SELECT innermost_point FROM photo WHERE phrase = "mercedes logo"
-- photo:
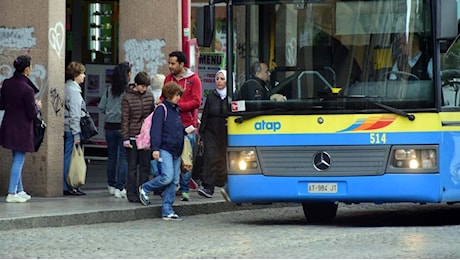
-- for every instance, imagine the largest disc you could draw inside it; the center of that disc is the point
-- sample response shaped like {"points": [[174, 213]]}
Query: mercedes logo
{"points": [[321, 161]]}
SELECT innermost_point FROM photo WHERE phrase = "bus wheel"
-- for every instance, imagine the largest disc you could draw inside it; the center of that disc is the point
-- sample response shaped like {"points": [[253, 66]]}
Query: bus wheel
{"points": [[320, 212]]}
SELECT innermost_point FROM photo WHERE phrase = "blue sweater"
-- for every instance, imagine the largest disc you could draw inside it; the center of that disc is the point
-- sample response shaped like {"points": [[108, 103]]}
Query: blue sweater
{"points": [[167, 134]]}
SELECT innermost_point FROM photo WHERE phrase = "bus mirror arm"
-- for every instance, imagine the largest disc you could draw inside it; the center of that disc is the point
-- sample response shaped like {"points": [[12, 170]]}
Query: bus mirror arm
{"points": [[396, 111]]}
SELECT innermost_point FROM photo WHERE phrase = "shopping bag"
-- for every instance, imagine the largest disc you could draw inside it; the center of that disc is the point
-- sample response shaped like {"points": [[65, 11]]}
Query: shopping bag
{"points": [[187, 156], [39, 130], [77, 168]]}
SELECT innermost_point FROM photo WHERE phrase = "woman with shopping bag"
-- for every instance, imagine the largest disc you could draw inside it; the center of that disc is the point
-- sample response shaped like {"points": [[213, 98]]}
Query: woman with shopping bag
{"points": [[74, 107]]}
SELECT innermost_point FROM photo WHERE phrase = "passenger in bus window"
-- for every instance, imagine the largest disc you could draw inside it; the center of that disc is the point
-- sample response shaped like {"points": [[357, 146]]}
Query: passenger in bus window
{"points": [[412, 63], [257, 87]]}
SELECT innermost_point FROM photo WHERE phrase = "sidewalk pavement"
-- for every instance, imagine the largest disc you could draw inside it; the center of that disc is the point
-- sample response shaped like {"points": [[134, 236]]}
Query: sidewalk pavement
{"points": [[98, 206]]}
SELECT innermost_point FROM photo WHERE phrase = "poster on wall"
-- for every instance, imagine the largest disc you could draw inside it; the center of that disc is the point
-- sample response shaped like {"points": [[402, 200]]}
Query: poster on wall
{"points": [[209, 64]]}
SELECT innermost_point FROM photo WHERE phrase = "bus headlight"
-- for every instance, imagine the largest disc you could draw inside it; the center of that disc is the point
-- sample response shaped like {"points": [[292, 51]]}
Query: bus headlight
{"points": [[423, 157], [242, 160]]}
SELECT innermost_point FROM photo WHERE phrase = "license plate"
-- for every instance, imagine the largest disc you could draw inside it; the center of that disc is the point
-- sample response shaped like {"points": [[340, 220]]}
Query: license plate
{"points": [[323, 188]]}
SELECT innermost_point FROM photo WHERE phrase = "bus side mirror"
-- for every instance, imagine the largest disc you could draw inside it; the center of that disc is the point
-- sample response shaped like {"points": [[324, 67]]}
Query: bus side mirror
{"points": [[205, 26], [446, 19]]}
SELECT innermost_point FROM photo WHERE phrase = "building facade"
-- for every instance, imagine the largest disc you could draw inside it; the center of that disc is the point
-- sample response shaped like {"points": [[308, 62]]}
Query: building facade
{"points": [[54, 32]]}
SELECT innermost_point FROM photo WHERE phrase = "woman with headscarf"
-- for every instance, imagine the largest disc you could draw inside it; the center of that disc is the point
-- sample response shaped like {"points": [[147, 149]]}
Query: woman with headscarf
{"points": [[213, 134]]}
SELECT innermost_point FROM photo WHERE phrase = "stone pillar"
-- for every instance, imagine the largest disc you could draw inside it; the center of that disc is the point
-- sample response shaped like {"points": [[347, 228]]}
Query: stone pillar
{"points": [[37, 28], [149, 31]]}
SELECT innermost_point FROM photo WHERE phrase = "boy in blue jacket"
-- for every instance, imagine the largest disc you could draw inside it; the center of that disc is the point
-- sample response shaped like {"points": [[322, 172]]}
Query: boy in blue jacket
{"points": [[166, 144]]}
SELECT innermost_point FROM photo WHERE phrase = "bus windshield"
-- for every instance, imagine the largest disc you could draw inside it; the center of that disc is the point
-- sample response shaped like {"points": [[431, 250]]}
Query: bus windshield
{"points": [[304, 57]]}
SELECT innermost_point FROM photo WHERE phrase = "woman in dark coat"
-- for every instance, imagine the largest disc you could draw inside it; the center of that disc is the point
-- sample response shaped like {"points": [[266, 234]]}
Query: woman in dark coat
{"points": [[17, 98], [213, 133]]}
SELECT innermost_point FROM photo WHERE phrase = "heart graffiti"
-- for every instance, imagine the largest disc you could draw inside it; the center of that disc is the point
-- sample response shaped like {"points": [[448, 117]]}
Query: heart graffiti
{"points": [[56, 37]]}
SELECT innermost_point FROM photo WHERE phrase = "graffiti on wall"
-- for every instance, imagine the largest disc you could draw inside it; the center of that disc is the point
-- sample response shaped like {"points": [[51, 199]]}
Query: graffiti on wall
{"points": [[56, 101], [17, 38], [19, 41], [15, 42], [145, 55], [56, 38]]}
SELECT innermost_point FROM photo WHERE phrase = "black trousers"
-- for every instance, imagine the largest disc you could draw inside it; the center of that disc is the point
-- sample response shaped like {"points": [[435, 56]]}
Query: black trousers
{"points": [[138, 170]]}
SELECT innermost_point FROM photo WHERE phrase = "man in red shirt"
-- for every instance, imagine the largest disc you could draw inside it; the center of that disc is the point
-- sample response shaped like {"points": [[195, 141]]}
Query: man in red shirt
{"points": [[188, 104]]}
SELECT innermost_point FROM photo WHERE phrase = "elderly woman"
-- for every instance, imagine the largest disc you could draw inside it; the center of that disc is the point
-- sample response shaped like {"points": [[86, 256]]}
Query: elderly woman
{"points": [[74, 110], [213, 133]]}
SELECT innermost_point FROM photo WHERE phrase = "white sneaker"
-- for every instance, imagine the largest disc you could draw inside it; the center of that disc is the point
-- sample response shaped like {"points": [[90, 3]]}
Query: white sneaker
{"points": [[24, 195], [111, 190], [120, 194], [15, 198]]}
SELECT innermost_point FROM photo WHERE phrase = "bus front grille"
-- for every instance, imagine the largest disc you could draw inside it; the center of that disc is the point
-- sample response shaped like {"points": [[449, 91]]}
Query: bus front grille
{"points": [[323, 160]]}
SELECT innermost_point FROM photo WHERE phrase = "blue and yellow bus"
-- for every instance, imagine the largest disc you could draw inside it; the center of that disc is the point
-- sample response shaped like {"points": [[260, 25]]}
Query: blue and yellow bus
{"points": [[372, 110]]}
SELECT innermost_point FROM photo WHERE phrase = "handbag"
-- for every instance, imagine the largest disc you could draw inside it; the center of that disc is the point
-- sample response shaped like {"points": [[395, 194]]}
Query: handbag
{"points": [[77, 168], [198, 160], [39, 130], [87, 127]]}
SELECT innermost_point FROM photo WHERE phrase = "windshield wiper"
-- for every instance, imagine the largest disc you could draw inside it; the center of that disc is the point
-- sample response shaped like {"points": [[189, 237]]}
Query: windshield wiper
{"points": [[411, 117], [397, 111], [250, 115]]}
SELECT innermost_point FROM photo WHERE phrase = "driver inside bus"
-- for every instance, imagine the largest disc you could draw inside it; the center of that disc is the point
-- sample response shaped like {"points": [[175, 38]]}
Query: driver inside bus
{"points": [[412, 61], [258, 86]]}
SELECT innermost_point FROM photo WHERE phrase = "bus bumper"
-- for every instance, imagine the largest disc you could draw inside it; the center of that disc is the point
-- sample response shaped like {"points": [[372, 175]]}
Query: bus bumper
{"points": [[418, 188]]}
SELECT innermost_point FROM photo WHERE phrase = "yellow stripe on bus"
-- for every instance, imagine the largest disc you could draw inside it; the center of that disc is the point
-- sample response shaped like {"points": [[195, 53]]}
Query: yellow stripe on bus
{"points": [[297, 124]]}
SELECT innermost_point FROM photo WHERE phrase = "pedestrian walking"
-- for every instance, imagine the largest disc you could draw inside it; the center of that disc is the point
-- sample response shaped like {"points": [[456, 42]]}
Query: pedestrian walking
{"points": [[166, 144], [213, 134]]}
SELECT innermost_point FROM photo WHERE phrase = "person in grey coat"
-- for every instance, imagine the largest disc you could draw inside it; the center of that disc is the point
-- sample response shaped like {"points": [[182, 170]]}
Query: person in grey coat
{"points": [[74, 110], [110, 106], [17, 98]]}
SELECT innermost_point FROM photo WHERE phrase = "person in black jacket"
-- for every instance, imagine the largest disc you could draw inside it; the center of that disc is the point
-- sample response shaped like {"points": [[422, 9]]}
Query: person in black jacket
{"points": [[213, 133], [257, 87]]}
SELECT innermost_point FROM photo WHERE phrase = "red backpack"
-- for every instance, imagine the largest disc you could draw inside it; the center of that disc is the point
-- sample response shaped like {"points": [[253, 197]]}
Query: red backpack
{"points": [[143, 138]]}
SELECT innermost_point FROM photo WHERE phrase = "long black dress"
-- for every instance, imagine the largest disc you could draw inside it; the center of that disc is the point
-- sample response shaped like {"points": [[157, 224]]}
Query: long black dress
{"points": [[213, 132]]}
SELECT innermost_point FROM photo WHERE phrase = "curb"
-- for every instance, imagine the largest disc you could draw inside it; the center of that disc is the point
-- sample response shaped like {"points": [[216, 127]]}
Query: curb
{"points": [[124, 215]]}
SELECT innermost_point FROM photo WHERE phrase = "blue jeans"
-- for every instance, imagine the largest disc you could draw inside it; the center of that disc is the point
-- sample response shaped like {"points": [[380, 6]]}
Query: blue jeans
{"points": [[169, 177], [15, 172], [68, 147], [185, 177], [117, 164], [154, 168]]}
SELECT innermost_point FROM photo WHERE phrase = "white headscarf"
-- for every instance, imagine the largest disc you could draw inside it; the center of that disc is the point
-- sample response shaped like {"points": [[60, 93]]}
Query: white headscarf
{"points": [[222, 92]]}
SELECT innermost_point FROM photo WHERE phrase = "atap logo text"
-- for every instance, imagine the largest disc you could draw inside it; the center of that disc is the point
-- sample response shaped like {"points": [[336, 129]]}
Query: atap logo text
{"points": [[262, 125]]}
